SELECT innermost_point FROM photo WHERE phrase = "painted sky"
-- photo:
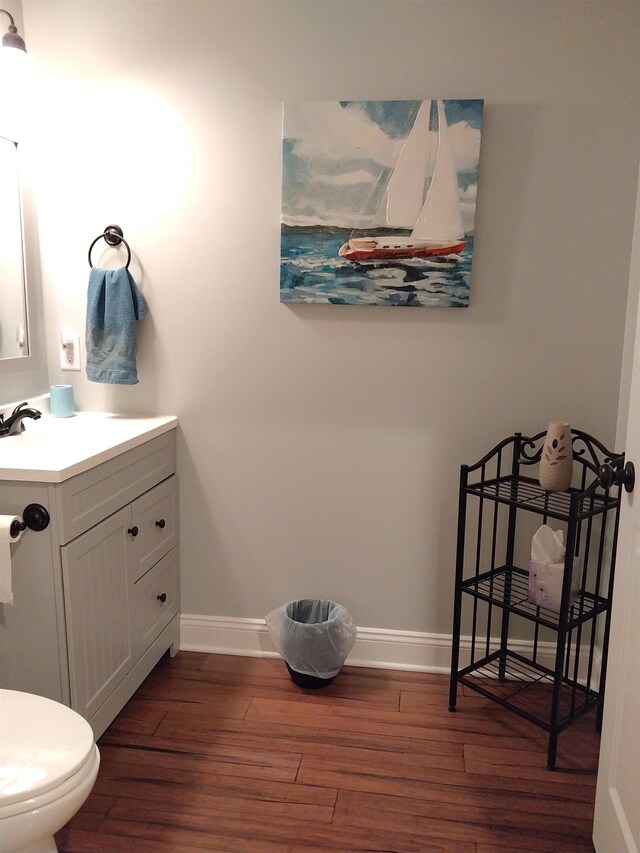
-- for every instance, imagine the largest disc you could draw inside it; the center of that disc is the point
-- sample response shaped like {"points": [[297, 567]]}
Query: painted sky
{"points": [[338, 155]]}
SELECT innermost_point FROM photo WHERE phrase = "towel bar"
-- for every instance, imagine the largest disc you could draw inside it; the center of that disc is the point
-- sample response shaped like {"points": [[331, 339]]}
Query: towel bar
{"points": [[112, 235]]}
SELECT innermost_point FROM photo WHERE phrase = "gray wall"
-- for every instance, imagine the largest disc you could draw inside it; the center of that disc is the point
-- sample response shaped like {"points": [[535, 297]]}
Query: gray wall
{"points": [[320, 445]]}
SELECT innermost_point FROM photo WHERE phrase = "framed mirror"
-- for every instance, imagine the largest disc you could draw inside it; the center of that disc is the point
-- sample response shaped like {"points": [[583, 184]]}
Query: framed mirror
{"points": [[14, 333]]}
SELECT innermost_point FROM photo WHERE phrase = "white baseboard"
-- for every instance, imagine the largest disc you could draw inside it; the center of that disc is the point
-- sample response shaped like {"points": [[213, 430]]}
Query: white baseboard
{"points": [[380, 648], [225, 635]]}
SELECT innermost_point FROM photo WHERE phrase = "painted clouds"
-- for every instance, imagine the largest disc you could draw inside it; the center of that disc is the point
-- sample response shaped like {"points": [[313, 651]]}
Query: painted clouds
{"points": [[337, 157]]}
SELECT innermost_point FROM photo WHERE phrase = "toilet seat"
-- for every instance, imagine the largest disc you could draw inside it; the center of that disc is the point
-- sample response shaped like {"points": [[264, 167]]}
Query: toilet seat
{"points": [[43, 744]]}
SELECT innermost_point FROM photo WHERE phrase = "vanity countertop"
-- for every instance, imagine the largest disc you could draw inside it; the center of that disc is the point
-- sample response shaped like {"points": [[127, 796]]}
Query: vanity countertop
{"points": [[51, 450]]}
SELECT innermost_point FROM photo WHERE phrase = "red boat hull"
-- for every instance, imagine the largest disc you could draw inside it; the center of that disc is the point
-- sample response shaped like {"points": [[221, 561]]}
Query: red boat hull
{"points": [[403, 253]]}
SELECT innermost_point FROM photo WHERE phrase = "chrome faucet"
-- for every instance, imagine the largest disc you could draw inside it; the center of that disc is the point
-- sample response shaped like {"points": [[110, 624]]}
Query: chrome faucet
{"points": [[14, 423]]}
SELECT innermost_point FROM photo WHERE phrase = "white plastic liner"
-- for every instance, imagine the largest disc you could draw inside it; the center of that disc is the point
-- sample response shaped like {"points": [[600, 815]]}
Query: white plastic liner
{"points": [[313, 636]]}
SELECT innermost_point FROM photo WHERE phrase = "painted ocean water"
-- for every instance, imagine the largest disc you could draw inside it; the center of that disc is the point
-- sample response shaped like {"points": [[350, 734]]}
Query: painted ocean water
{"points": [[311, 271]]}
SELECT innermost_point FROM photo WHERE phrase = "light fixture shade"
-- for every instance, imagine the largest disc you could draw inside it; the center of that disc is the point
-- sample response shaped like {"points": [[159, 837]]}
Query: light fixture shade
{"points": [[13, 39]]}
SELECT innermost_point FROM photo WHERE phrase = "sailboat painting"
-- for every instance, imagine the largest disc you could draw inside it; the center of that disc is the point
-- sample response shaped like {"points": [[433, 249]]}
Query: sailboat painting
{"points": [[378, 202]]}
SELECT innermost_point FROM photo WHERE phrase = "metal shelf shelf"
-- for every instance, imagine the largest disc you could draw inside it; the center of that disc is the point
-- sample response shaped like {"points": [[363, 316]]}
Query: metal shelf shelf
{"points": [[525, 493], [508, 587], [527, 689], [538, 662]]}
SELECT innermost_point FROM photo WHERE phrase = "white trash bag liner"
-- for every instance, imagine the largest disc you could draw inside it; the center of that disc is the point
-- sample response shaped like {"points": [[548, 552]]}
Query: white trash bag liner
{"points": [[313, 636]]}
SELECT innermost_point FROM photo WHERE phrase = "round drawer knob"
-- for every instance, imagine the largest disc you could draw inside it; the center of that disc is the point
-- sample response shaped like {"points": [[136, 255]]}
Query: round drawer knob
{"points": [[162, 597], [161, 523], [133, 531]]}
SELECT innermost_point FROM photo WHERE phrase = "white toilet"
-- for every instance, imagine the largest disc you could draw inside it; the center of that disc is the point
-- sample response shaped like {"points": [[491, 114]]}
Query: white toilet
{"points": [[48, 766]]}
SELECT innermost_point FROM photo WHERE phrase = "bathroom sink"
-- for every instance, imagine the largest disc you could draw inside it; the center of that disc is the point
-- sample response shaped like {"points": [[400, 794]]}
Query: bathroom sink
{"points": [[53, 449]]}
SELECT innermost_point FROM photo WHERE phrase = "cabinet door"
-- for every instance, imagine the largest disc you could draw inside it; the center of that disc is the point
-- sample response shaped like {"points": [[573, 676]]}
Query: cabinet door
{"points": [[95, 576], [155, 515], [154, 602], [33, 647]]}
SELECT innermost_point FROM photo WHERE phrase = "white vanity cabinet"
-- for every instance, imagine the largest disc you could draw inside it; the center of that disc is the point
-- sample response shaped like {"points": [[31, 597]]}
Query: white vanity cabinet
{"points": [[120, 582], [108, 567]]}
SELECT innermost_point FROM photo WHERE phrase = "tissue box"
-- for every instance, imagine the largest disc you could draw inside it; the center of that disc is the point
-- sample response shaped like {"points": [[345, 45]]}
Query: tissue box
{"points": [[545, 583]]}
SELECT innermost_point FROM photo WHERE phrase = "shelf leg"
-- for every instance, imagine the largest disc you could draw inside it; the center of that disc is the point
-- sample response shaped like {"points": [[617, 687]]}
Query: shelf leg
{"points": [[504, 633], [455, 653], [552, 751], [457, 605]]}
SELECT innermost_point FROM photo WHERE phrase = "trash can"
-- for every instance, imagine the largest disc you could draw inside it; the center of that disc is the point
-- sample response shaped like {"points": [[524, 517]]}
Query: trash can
{"points": [[314, 637]]}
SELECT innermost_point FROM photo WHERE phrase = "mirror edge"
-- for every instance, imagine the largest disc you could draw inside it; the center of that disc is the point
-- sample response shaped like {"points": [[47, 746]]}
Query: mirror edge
{"points": [[26, 375]]}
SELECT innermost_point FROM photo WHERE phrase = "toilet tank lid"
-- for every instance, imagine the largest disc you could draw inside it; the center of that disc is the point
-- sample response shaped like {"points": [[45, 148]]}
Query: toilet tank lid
{"points": [[42, 743]]}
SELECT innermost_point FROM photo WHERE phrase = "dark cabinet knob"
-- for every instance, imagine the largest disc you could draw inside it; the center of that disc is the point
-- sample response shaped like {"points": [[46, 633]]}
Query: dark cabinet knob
{"points": [[162, 597], [133, 531], [161, 523]]}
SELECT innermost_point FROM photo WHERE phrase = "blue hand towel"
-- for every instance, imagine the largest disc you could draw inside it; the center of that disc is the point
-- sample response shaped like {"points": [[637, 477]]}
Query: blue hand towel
{"points": [[114, 305]]}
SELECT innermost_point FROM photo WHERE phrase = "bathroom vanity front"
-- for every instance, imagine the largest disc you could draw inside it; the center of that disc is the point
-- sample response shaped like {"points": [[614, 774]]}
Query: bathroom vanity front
{"points": [[96, 594]]}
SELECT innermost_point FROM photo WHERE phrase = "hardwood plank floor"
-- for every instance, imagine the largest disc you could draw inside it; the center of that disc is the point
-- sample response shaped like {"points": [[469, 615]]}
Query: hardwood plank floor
{"points": [[222, 753]]}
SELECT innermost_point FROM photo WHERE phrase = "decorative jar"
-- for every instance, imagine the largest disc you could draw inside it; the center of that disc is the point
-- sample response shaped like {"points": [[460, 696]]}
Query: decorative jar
{"points": [[556, 461]]}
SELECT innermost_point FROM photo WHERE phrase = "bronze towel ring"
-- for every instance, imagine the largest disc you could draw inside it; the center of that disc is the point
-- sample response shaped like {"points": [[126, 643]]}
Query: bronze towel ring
{"points": [[112, 235]]}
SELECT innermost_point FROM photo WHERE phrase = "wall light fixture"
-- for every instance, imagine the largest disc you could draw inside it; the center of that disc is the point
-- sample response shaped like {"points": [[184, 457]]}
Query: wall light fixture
{"points": [[15, 83], [12, 38]]}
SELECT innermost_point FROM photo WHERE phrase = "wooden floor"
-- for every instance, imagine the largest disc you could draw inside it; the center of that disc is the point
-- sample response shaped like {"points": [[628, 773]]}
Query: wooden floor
{"points": [[227, 754]]}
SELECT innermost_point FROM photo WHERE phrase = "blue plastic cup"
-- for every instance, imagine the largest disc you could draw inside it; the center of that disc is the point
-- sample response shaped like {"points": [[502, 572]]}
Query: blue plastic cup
{"points": [[61, 401]]}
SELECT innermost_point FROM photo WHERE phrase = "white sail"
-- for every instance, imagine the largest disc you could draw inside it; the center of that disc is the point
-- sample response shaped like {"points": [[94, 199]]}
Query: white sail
{"points": [[440, 217], [405, 190], [434, 218]]}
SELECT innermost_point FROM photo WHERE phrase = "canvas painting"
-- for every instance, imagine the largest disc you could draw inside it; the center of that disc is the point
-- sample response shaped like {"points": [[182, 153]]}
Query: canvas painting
{"points": [[379, 201]]}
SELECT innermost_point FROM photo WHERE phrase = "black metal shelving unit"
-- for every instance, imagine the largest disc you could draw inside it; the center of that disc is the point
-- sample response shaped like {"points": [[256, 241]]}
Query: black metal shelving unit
{"points": [[545, 665]]}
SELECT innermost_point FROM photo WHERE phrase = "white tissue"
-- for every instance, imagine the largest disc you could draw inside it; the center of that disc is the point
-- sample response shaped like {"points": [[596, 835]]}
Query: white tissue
{"points": [[546, 569], [6, 541], [547, 545]]}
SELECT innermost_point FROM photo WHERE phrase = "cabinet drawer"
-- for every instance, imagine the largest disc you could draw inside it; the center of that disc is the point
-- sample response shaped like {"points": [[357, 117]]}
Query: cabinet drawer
{"points": [[86, 499], [155, 601], [155, 515]]}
